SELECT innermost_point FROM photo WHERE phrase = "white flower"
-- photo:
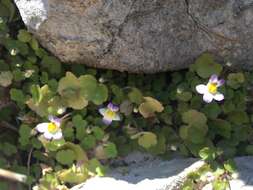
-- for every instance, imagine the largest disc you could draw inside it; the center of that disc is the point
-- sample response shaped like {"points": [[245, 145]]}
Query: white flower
{"points": [[51, 130], [210, 91], [110, 113]]}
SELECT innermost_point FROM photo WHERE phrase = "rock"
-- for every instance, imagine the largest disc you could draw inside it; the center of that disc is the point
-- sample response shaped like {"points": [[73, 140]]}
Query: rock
{"points": [[151, 173], [142, 35], [244, 180], [143, 172]]}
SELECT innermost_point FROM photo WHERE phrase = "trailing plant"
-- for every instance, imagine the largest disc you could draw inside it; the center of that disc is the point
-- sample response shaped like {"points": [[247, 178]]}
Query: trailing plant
{"points": [[62, 123]]}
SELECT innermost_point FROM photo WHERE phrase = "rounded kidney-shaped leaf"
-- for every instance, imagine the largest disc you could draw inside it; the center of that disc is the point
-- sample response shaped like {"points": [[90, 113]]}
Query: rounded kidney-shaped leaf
{"points": [[147, 139], [65, 157], [205, 66], [149, 107], [193, 117]]}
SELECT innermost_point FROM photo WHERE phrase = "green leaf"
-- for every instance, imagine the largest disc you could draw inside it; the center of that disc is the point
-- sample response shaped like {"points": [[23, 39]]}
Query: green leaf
{"points": [[221, 127], [10, 7], [34, 44], [6, 78], [80, 154], [92, 91], [78, 121], [89, 86], [135, 96], [9, 149], [196, 134], [80, 126], [24, 134], [101, 94], [68, 133], [147, 139], [184, 96], [15, 47], [160, 147], [205, 66], [40, 101], [207, 154], [98, 133], [149, 107], [18, 75], [235, 80], [230, 166], [73, 175], [193, 117], [88, 142], [118, 93], [52, 64], [17, 95], [70, 89], [36, 93], [220, 185], [95, 167], [212, 110], [24, 36], [238, 117], [110, 150], [228, 106], [53, 145], [4, 66], [183, 132], [36, 143], [65, 157]]}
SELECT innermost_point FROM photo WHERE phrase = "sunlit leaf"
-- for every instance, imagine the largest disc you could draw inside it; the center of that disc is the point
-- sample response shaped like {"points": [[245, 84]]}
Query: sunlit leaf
{"points": [[147, 139], [149, 107]]}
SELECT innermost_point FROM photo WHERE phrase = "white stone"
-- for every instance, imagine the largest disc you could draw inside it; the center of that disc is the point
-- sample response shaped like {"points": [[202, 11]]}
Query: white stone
{"points": [[33, 13], [146, 172]]}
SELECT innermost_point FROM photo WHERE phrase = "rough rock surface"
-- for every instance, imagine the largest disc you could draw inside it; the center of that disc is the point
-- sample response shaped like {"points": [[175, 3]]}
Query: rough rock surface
{"points": [[142, 35], [145, 172]]}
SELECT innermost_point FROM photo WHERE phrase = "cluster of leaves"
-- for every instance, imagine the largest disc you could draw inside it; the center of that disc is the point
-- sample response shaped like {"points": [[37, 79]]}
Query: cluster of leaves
{"points": [[211, 176], [160, 114]]}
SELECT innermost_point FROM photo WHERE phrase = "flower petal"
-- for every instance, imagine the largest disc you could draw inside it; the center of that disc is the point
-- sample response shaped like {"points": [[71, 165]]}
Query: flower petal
{"points": [[102, 111], [113, 107], [57, 135], [55, 120], [51, 118], [221, 82], [107, 121], [208, 97], [116, 117], [42, 127], [48, 135], [201, 89], [213, 78], [219, 97]]}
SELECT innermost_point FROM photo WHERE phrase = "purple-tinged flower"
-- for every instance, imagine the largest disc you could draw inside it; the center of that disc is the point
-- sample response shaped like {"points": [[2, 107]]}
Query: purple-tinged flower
{"points": [[210, 91], [110, 113], [51, 130]]}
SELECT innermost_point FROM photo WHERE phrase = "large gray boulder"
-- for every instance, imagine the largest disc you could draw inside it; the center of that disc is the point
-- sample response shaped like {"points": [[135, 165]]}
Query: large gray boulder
{"points": [[142, 35]]}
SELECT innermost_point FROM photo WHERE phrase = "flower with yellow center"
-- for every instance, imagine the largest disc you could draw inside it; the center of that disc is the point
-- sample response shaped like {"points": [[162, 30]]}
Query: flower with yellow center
{"points": [[110, 113], [51, 130], [210, 91], [212, 88]]}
